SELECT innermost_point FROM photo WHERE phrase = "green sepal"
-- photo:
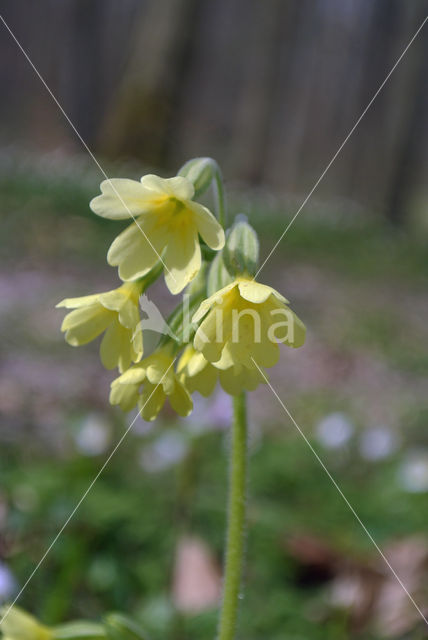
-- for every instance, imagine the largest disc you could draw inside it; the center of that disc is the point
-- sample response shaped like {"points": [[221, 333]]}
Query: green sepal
{"points": [[180, 320], [200, 171], [241, 252], [218, 275]]}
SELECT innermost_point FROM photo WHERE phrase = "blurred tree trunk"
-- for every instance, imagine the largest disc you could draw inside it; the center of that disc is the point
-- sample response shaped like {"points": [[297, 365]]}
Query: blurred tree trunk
{"points": [[270, 89], [259, 77], [411, 143], [137, 121]]}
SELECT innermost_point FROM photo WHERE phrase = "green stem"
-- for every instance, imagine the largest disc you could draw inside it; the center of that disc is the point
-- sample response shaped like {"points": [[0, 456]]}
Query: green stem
{"points": [[220, 198], [236, 521]]}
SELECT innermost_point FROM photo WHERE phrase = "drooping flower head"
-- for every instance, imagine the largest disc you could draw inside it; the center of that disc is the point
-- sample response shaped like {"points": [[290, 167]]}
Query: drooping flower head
{"points": [[149, 383], [116, 313], [166, 226], [243, 323], [198, 374]]}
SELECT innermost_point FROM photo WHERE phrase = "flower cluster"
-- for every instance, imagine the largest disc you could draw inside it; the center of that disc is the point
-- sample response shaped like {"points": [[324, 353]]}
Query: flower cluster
{"points": [[230, 329]]}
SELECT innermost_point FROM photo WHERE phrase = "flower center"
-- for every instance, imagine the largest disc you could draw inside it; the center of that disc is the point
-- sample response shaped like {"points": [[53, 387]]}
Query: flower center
{"points": [[176, 205]]}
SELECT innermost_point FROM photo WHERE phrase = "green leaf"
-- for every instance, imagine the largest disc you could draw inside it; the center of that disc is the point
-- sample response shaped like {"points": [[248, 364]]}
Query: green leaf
{"points": [[120, 627], [79, 630]]}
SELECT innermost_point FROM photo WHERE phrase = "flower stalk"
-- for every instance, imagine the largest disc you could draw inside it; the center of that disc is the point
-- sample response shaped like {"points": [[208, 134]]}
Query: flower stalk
{"points": [[235, 541], [220, 198]]}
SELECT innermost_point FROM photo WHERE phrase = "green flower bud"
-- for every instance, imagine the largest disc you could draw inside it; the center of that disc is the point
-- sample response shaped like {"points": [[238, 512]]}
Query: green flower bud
{"points": [[201, 172], [120, 627], [218, 275], [241, 253]]}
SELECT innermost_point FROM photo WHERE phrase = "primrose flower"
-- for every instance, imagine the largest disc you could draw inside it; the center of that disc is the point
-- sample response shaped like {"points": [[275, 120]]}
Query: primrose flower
{"points": [[197, 374], [18, 625], [149, 383], [116, 313], [167, 223], [243, 323]]}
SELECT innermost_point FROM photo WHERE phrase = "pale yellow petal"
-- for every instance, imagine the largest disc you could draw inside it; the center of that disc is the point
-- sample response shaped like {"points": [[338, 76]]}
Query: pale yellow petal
{"points": [[185, 358], [129, 316], [196, 364], [265, 353], [177, 187], [136, 250], [180, 400], [137, 344], [204, 381], [208, 226], [240, 353], [208, 340], [227, 358], [298, 333], [161, 372], [116, 347], [121, 198], [182, 259], [19, 625], [203, 308], [252, 379], [125, 395], [216, 298], [112, 300], [76, 303], [231, 382], [284, 324], [237, 379], [151, 401], [257, 293], [85, 324], [134, 375]]}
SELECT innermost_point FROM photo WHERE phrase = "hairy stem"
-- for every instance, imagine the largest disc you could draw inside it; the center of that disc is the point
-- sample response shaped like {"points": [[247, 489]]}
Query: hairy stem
{"points": [[236, 521], [220, 198]]}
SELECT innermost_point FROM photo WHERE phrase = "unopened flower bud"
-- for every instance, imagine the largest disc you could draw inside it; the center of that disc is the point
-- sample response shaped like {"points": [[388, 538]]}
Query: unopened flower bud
{"points": [[241, 253], [200, 171], [218, 275]]}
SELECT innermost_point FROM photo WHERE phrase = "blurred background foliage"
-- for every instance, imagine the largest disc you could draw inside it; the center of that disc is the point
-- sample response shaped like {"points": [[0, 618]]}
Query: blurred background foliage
{"points": [[270, 90]]}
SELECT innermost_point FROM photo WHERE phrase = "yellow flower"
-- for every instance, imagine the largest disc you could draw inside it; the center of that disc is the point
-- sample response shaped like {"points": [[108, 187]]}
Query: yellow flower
{"points": [[150, 383], [19, 625], [116, 313], [197, 374], [167, 223], [243, 323]]}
